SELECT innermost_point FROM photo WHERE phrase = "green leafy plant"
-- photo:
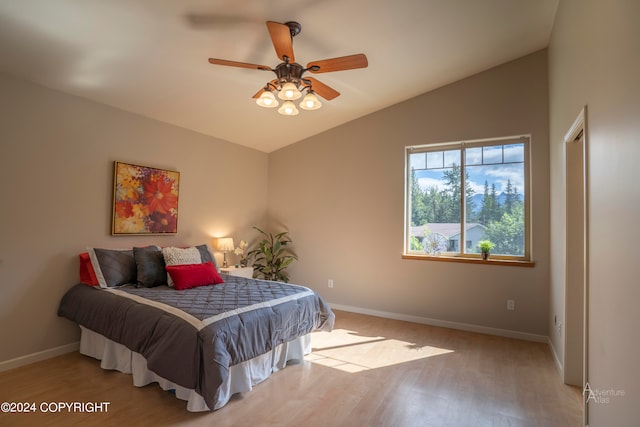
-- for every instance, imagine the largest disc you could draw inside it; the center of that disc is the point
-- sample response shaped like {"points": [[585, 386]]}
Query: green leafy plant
{"points": [[485, 246], [272, 257]]}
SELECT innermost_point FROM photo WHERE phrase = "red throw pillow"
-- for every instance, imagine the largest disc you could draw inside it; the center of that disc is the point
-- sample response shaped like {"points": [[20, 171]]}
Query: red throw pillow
{"points": [[186, 276], [87, 273]]}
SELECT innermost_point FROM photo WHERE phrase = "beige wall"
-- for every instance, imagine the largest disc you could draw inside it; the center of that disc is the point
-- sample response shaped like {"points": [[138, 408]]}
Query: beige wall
{"points": [[341, 195], [594, 60], [56, 165]]}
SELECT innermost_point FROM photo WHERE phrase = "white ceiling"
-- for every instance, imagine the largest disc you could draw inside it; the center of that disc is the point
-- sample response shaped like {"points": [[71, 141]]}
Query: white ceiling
{"points": [[150, 56]]}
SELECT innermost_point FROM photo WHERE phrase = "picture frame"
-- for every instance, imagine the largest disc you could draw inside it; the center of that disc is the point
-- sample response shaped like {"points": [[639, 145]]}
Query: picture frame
{"points": [[145, 200]]}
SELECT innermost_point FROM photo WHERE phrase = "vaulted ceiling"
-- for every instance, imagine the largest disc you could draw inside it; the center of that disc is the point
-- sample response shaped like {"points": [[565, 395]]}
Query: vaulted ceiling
{"points": [[150, 57]]}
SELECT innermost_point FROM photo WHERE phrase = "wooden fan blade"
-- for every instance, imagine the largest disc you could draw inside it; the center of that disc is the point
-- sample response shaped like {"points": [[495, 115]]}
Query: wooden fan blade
{"points": [[282, 41], [257, 95], [238, 64], [338, 64], [322, 89]]}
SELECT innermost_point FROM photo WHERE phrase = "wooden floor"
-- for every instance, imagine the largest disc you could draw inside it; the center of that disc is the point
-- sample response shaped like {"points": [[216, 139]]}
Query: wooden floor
{"points": [[367, 372]]}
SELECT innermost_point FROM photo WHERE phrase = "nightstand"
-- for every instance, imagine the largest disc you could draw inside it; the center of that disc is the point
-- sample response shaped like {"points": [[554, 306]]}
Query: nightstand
{"points": [[240, 271]]}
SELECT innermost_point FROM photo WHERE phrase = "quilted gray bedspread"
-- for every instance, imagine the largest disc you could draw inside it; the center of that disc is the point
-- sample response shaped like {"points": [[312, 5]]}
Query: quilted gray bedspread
{"points": [[192, 337]]}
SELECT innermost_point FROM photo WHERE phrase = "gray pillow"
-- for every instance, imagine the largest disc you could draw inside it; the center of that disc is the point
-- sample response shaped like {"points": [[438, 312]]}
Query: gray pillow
{"points": [[206, 255], [151, 266], [113, 267]]}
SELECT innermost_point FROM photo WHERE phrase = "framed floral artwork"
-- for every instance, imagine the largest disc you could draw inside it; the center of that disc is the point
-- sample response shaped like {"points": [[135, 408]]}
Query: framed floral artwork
{"points": [[145, 200]]}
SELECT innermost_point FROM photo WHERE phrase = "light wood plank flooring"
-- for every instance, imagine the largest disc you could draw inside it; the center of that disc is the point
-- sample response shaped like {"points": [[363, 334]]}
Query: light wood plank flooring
{"points": [[368, 372]]}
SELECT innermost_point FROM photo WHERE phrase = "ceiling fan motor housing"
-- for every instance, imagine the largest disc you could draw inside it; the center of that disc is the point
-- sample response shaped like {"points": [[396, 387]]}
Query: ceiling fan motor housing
{"points": [[289, 72]]}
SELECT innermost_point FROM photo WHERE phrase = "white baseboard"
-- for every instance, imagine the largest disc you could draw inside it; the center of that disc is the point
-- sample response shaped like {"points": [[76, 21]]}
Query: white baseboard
{"points": [[444, 323], [36, 357], [556, 359]]}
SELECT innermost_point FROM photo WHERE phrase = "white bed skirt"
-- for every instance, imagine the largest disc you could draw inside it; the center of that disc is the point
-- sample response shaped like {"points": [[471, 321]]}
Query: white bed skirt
{"points": [[242, 377]]}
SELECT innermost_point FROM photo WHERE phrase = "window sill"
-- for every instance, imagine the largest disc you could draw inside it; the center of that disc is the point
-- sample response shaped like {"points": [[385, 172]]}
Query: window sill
{"points": [[490, 261]]}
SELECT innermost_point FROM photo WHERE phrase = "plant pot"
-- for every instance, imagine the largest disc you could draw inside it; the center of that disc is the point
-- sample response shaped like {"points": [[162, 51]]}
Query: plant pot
{"points": [[485, 255]]}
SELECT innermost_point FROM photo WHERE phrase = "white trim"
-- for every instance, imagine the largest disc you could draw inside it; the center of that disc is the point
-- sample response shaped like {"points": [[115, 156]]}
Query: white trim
{"points": [[40, 355], [463, 142], [196, 323], [444, 323], [200, 324], [264, 304], [556, 359], [96, 267], [576, 127]]}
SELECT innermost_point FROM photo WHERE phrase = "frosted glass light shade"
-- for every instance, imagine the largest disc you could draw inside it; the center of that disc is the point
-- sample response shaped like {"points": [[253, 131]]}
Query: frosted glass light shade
{"points": [[289, 92], [310, 102], [267, 100], [288, 109]]}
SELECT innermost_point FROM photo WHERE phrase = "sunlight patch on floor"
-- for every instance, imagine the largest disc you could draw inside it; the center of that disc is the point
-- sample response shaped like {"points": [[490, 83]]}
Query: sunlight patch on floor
{"points": [[351, 352]]}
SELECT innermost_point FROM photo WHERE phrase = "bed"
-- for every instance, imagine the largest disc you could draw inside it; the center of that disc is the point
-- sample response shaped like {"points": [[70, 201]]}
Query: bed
{"points": [[205, 342]]}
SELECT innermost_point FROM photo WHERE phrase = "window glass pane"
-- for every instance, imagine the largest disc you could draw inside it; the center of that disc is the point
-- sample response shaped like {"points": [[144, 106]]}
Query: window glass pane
{"points": [[492, 154], [514, 153], [495, 207], [473, 156], [434, 159], [435, 206], [418, 161], [452, 158]]}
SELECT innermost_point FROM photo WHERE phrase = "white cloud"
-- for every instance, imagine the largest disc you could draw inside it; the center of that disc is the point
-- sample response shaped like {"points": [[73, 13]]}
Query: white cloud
{"points": [[427, 183], [505, 173]]}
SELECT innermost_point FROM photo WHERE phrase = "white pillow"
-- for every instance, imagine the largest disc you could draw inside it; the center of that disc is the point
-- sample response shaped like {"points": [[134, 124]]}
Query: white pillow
{"points": [[180, 256]]}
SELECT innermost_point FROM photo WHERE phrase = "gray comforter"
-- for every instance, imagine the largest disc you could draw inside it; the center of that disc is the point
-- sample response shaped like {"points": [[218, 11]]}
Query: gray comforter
{"points": [[192, 337]]}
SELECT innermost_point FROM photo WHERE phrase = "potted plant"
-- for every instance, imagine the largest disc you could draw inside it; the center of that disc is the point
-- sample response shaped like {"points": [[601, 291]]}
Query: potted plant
{"points": [[272, 257], [240, 250], [485, 247]]}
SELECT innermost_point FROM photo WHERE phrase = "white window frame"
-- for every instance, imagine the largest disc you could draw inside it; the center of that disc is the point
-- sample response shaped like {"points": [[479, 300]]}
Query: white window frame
{"points": [[462, 145]]}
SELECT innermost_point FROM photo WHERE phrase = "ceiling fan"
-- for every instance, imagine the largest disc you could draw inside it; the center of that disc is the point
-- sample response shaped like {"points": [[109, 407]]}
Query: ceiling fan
{"points": [[289, 81]]}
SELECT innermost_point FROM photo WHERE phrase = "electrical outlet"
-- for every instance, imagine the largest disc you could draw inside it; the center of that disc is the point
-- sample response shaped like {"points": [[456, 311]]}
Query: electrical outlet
{"points": [[511, 304], [559, 328], [330, 283]]}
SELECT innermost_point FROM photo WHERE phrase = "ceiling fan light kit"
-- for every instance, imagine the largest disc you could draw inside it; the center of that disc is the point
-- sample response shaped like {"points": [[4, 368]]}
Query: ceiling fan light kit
{"points": [[289, 82]]}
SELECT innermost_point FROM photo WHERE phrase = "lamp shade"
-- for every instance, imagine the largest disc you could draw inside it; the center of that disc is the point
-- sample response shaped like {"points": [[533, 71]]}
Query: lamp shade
{"points": [[267, 100], [288, 109], [289, 92], [310, 102], [225, 244]]}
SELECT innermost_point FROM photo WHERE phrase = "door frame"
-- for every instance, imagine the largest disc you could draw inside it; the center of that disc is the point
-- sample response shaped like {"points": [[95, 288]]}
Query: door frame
{"points": [[577, 131]]}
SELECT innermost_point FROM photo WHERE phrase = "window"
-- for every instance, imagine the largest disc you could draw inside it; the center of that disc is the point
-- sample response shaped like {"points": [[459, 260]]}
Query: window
{"points": [[458, 194]]}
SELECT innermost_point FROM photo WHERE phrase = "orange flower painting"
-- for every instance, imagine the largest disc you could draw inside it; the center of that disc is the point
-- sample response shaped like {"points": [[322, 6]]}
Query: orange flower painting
{"points": [[145, 200]]}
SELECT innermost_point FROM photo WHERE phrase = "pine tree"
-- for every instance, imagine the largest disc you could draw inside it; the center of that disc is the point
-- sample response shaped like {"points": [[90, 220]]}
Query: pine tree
{"points": [[451, 178], [485, 209], [434, 206], [418, 208], [510, 198], [495, 212]]}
